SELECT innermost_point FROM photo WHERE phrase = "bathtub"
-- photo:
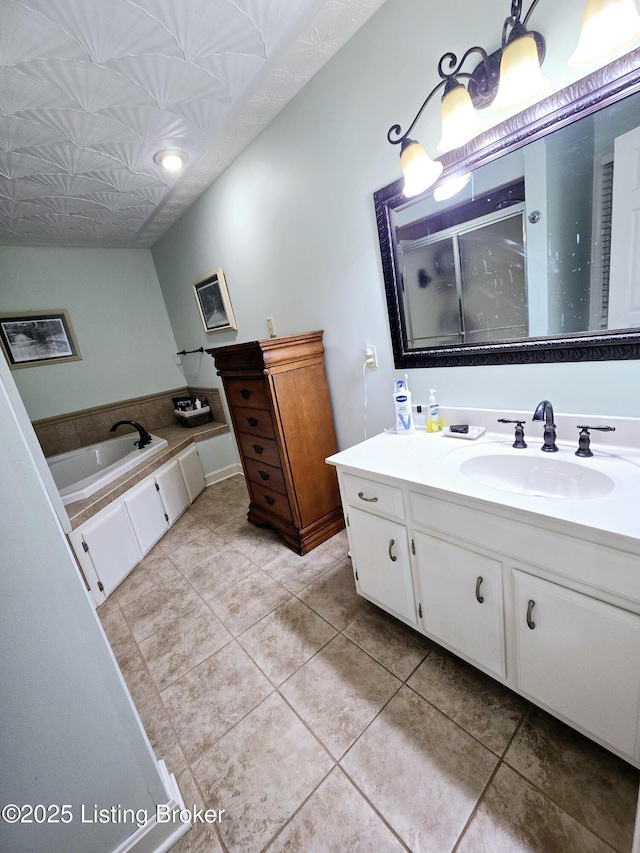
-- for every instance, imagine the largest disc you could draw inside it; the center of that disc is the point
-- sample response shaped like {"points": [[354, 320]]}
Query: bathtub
{"points": [[79, 473]]}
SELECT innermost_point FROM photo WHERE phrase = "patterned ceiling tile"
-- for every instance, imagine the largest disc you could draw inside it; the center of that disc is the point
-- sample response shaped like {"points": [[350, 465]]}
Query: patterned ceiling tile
{"points": [[90, 90]]}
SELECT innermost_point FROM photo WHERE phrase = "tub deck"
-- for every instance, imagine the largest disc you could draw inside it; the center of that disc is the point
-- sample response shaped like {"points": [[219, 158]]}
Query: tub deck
{"points": [[177, 439]]}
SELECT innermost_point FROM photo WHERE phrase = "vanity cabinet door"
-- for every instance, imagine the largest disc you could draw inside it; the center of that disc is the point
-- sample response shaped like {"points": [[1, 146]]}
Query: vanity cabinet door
{"points": [[461, 599], [147, 515], [380, 557], [579, 658], [189, 462], [172, 490]]}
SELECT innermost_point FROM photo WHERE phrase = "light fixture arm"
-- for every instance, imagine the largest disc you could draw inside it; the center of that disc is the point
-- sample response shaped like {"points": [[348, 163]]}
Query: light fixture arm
{"points": [[449, 79], [515, 25]]}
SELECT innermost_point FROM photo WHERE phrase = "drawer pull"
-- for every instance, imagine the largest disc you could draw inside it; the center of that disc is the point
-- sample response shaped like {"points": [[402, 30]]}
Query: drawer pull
{"points": [[392, 542], [258, 448], [252, 422], [269, 500], [479, 597], [264, 475], [245, 393], [530, 621], [368, 500]]}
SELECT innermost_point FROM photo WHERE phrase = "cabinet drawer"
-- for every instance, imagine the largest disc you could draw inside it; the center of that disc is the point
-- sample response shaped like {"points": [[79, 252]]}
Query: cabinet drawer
{"points": [[261, 449], [247, 392], [271, 501], [255, 422], [265, 475], [373, 496]]}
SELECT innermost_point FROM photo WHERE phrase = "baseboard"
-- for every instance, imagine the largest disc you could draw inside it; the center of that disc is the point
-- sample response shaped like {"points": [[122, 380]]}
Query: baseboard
{"points": [[156, 837], [223, 473]]}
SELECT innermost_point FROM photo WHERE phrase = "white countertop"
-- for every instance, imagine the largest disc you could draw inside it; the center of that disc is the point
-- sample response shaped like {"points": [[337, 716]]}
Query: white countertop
{"points": [[433, 460]]}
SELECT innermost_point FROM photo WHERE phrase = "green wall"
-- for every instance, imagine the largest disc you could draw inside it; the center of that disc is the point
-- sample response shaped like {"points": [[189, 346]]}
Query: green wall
{"points": [[292, 222], [119, 318]]}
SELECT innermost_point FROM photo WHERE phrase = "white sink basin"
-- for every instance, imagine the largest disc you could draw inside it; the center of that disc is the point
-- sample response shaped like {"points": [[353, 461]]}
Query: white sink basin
{"points": [[542, 475]]}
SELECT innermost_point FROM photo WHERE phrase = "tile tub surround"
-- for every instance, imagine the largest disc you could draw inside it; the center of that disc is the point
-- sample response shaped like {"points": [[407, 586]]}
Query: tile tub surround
{"points": [[320, 723], [89, 426]]}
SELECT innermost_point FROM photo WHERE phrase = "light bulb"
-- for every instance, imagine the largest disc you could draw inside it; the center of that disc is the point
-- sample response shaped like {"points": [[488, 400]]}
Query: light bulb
{"points": [[171, 159], [608, 26], [420, 171]]}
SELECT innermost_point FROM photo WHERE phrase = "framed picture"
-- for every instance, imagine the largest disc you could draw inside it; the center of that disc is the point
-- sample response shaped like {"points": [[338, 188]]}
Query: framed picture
{"points": [[38, 337], [213, 301]]}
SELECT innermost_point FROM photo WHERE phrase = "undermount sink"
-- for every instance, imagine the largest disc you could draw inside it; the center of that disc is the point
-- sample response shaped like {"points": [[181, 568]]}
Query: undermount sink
{"points": [[537, 475]]}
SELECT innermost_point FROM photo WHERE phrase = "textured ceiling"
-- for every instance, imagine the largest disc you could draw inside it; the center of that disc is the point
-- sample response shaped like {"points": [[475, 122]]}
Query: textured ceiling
{"points": [[90, 90]]}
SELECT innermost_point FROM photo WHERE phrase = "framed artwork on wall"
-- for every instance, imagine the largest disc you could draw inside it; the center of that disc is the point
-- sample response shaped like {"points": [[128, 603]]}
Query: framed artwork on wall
{"points": [[213, 301], [38, 337]]}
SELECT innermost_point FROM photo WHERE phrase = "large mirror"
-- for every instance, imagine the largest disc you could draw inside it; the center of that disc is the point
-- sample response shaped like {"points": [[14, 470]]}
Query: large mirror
{"points": [[537, 257]]}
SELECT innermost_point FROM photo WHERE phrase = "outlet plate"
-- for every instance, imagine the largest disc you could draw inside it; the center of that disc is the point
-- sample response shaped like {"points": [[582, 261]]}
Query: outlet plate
{"points": [[270, 328], [371, 356]]}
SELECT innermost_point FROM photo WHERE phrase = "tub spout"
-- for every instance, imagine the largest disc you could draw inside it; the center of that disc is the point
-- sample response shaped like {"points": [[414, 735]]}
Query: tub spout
{"points": [[145, 438]]}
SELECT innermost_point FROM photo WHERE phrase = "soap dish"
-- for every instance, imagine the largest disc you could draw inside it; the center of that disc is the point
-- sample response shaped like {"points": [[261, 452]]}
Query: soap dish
{"points": [[474, 432]]}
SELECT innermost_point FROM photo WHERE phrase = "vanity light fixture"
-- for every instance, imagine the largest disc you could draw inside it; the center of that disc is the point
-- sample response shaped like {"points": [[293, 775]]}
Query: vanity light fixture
{"points": [[510, 78], [171, 159]]}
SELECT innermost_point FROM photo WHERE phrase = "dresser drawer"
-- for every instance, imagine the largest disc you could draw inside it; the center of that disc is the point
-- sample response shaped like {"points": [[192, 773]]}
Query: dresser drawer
{"points": [[265, 475], [261, 449], [255, 422], [374, 497], [247, 392], [271, 501]]}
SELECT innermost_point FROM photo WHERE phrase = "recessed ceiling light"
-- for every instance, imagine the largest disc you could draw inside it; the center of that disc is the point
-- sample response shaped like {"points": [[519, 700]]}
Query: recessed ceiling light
{"points": [[171, 159]]}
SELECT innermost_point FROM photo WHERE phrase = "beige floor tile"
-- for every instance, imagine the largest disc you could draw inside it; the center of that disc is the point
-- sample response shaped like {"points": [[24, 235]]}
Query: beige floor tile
{"points": [[339, 692], [206, 702], [183, 644], [420, 771], [295, 572], [514, 817], [594, 786], [222, 571], [286, 638], [243, 605], [334, 596], [335, 819], [233, 488], [158, 608], [186, 527], [135, 673], [477, 703], [162, 736], [260, 544], [337, 546], [154, 571], [186, 556], [218, 512], [395, 645], [261, 772], [115, 626], [201, 838]]}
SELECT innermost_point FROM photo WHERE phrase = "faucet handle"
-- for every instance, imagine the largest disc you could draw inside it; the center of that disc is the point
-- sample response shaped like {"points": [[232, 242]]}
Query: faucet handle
{"points": [[584, 449], [519, 436]]}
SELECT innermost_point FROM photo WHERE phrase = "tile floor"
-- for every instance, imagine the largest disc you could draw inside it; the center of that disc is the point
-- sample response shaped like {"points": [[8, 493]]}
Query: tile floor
{"points": [[319, 723]]}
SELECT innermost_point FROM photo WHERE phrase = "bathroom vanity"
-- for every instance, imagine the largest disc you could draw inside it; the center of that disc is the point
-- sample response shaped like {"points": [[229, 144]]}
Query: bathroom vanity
{"points": [[528, 568]]}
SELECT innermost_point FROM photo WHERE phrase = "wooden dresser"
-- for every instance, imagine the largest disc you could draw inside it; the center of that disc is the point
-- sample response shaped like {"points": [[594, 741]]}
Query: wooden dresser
{"points": [[279, 402]]}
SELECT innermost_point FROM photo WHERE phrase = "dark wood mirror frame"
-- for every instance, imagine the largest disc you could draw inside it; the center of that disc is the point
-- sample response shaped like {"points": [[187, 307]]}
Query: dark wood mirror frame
{"points": [[587, 95]]}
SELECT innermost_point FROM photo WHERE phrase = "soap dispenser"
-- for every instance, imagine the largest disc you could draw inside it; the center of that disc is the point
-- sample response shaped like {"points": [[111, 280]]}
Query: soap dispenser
{"points": [[434, 422]]}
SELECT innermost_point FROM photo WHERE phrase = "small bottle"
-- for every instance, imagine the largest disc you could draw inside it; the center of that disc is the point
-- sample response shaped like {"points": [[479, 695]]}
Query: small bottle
{"points": [[402, 400], [434, 422]]}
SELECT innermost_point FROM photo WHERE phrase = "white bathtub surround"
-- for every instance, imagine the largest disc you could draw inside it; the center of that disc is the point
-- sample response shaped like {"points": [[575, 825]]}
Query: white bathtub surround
{"points": [[80, 473], [522, 562]]}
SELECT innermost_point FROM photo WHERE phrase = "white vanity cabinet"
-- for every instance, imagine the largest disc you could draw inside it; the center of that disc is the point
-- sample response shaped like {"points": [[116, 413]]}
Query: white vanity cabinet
{"points": [[580, 658], [111, 543], [547, 607]]}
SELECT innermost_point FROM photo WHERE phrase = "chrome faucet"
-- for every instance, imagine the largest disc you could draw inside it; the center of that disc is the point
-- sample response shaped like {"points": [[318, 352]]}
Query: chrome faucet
{"points": [[145, 438], [544, 411]]}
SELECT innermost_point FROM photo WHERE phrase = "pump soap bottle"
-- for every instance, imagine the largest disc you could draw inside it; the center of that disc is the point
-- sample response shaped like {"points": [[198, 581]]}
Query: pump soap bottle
{"points": [[434, 422]]}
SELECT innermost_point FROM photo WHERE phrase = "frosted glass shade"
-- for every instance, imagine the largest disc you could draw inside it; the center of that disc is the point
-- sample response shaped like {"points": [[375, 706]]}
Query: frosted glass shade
{"points": [[420, 171], [521, 79], [608, 26], [460, 122]]}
